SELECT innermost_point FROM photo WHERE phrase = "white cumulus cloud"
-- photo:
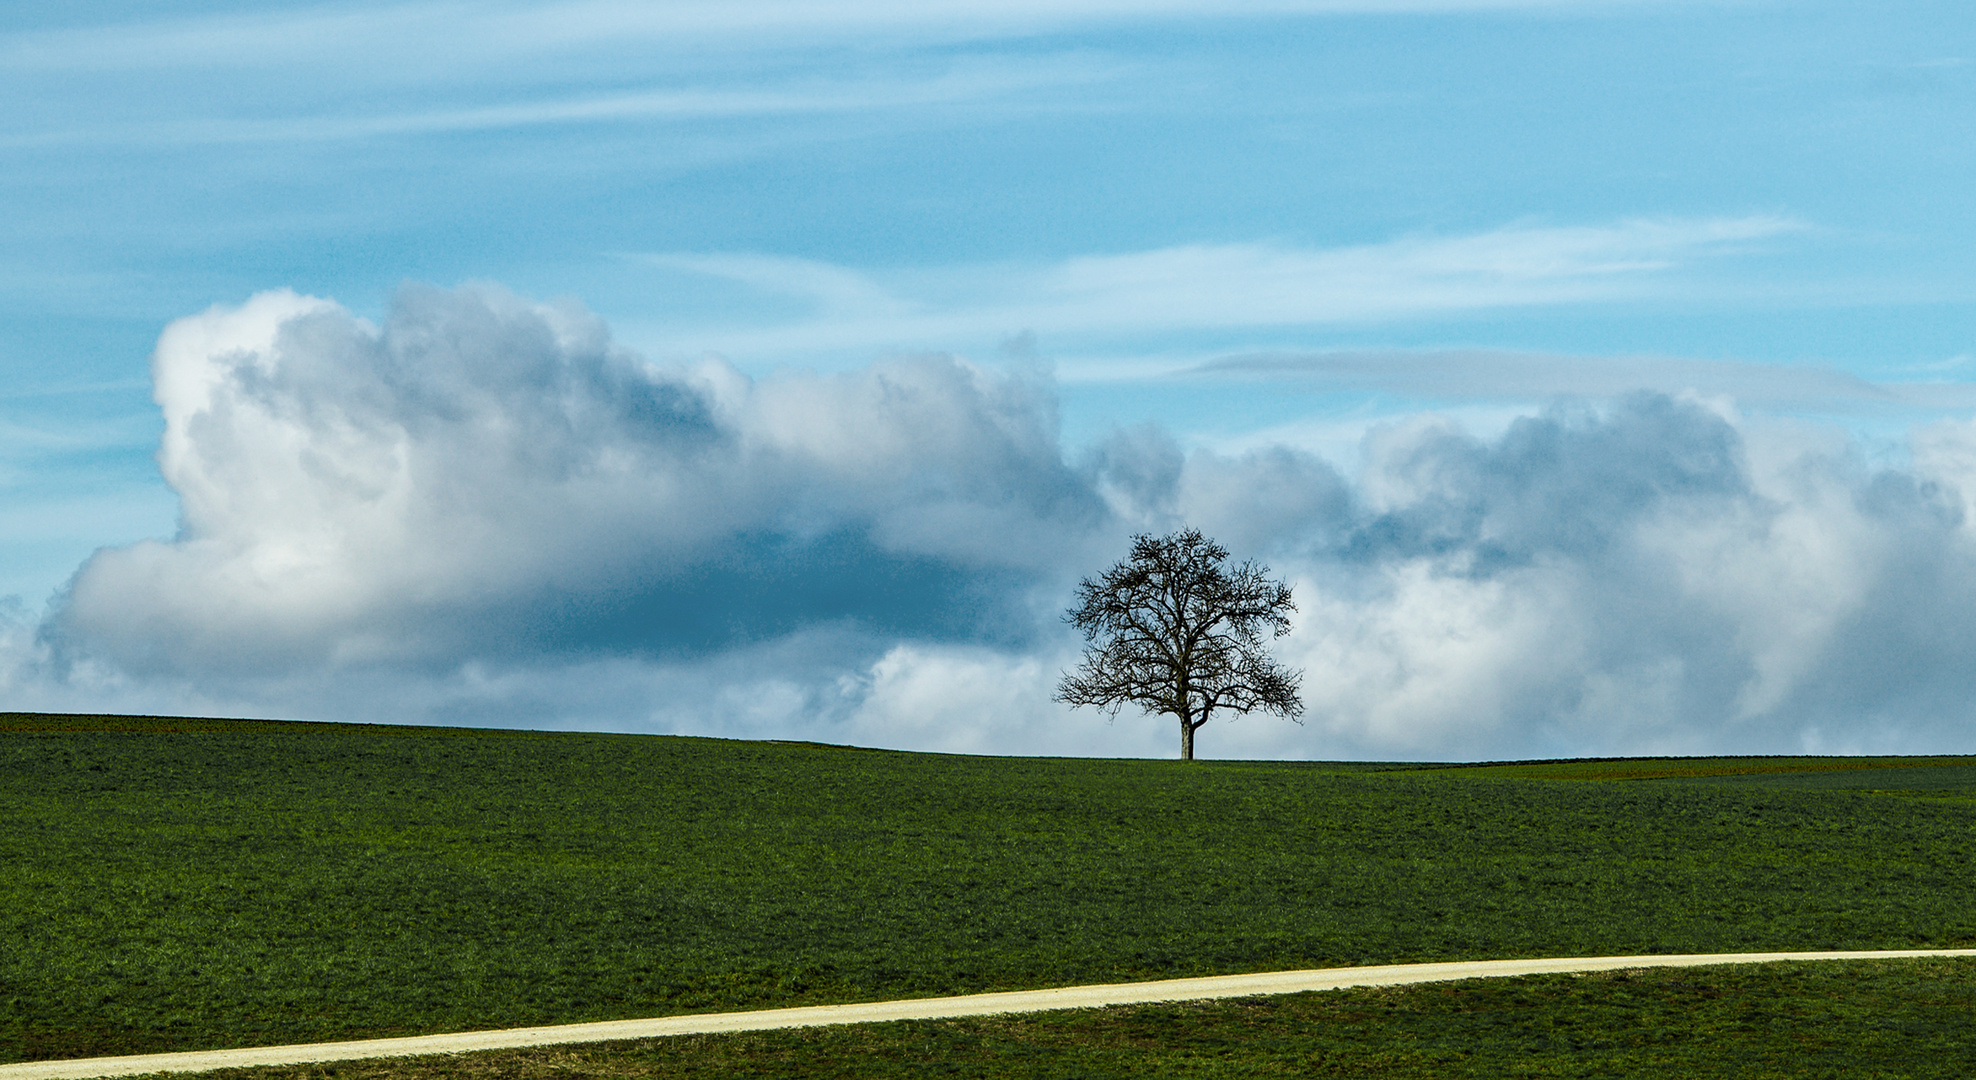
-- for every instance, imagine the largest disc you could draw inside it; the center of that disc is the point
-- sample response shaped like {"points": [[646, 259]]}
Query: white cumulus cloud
{"points": [[482, 475]]}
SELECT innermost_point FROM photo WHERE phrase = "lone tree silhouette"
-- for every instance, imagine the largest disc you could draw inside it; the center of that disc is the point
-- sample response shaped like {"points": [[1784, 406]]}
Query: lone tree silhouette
{"points": [[1176, 632]]}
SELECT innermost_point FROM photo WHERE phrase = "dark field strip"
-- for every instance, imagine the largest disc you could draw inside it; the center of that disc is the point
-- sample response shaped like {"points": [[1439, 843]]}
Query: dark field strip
{"points": [[1844, 1021], [46, 723], [243, 883], [1774, 769]]}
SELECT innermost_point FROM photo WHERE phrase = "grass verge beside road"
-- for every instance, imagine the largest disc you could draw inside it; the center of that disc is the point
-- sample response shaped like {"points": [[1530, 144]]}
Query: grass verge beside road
{"points": [[1850, 1020]]}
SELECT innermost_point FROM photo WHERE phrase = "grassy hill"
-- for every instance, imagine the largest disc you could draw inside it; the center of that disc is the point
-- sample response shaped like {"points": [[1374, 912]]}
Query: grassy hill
{"points": [[173, 884]]}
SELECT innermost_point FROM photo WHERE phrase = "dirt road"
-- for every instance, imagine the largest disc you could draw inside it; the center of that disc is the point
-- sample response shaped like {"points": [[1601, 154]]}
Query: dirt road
{"points": [[1069, 997]]}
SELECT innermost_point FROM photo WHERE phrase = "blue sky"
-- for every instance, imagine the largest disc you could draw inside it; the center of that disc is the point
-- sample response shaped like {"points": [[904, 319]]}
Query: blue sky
{"points": [[1159, 232]]}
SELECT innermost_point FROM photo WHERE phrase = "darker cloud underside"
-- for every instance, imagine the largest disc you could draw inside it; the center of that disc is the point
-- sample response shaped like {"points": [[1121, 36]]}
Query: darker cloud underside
{"points": [[766, 587]]}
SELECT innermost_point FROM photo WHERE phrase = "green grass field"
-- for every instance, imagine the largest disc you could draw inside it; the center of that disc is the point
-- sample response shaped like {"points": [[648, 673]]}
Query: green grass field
{"points": [[194, 884]]}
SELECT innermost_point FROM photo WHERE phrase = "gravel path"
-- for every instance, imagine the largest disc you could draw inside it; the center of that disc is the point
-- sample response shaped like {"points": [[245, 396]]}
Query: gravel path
{"points": [[1069, 997]]}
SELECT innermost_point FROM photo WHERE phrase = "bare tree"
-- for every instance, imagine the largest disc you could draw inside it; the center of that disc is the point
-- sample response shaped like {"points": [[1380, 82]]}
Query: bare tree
{"points": [[1174, 631]]}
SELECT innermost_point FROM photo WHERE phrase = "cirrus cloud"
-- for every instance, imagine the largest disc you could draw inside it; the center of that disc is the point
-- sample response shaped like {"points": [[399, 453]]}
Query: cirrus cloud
{"points": [[1218, 287]]}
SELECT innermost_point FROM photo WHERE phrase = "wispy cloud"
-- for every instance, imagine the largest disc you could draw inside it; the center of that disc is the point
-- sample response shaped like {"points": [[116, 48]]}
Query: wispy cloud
{"points": [[1223, 286], [1266, 284], [1506, 375], [446, 34], [957, 83]]}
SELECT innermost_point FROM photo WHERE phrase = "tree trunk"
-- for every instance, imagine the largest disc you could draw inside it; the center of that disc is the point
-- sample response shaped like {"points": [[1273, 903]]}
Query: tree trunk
{"points": [[1186, 738]]}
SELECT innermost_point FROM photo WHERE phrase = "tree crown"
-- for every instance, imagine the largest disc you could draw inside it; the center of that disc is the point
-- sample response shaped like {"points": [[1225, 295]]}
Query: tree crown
{"points": [[1173, 629]]}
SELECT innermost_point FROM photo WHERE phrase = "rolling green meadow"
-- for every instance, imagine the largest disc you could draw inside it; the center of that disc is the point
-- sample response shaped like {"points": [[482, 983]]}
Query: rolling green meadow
{"points": [[191, 884]]}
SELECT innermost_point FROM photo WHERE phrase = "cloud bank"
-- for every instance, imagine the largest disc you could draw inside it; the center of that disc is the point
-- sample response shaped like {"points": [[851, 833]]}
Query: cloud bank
{"points": [[483, 511]]}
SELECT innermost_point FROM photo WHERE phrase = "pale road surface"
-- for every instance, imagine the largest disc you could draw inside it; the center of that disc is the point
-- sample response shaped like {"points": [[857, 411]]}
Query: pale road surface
{"points": [[1015, 1001]]}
